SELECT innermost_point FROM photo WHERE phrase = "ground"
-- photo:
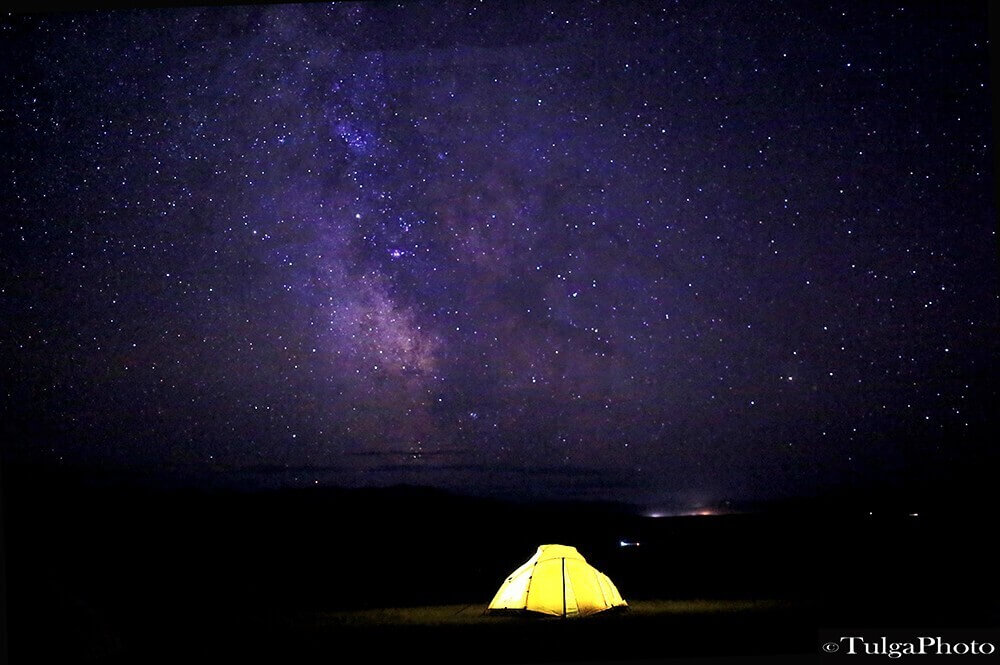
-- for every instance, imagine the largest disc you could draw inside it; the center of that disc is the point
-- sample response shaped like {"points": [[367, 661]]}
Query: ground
{"points": [[125, 574]]}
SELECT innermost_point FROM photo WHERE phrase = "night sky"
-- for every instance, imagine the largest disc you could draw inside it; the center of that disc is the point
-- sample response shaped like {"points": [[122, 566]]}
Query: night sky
{"points": [[656, 252]]}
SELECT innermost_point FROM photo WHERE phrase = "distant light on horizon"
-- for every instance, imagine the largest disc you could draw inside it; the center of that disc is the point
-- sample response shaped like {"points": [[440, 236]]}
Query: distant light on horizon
{"points": [[692, 512]]}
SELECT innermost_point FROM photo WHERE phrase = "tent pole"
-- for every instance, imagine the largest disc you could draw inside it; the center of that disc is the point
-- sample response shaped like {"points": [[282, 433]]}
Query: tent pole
{"points": [[564, 585]]}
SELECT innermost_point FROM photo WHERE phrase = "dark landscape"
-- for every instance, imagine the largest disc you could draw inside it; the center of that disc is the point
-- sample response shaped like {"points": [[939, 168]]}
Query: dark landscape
{"points": [[112, 572]]}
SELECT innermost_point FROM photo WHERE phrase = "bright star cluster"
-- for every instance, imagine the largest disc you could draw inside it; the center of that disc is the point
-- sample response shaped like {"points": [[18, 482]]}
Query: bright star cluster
{"points": [[581, 249]]}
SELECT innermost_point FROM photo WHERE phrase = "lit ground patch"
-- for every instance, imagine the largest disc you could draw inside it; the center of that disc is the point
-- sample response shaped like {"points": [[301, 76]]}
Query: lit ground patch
{"points": [[438, 615]]}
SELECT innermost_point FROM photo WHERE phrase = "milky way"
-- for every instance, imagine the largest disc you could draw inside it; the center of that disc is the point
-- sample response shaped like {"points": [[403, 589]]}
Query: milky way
{"points": [[629, 250]]}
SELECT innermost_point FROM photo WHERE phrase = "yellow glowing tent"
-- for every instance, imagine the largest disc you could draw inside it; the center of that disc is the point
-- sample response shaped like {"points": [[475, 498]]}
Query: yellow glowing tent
{"points": [[557, 580]]}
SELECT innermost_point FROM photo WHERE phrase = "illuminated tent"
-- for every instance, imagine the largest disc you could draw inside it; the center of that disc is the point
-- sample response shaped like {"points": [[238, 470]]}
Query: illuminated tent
{"points": [[557, 580]]}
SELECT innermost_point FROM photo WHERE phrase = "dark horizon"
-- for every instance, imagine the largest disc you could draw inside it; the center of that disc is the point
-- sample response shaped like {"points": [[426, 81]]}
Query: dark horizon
{"points": [[665, 255], [967, 497]]}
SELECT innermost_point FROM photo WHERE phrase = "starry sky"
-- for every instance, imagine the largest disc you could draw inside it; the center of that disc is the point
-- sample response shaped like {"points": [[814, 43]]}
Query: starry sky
{"points": [[652, 251]]}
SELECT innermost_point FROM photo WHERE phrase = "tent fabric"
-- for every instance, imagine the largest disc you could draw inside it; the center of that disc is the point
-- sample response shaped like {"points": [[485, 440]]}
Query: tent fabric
{"points": [[557, 581]]}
